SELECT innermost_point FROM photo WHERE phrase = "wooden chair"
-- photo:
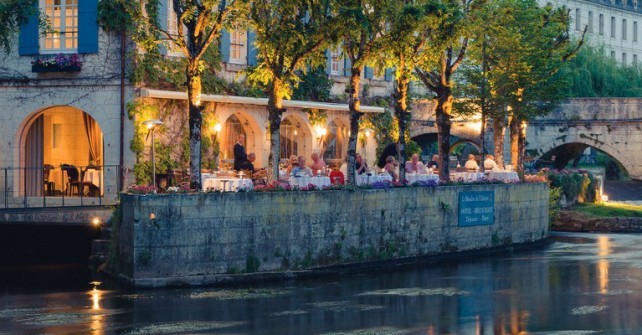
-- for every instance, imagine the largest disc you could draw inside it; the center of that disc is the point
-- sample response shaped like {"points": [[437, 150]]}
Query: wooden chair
{"points": [[49, 186], [73, 179]]}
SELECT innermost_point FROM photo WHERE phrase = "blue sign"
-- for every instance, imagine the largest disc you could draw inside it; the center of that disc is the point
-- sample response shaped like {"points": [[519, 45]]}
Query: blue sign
{"points": [[476, 208]]}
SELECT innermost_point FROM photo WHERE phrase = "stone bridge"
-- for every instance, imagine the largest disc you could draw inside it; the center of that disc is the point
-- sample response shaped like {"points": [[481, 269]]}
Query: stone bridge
{"points": [[611, 125]]}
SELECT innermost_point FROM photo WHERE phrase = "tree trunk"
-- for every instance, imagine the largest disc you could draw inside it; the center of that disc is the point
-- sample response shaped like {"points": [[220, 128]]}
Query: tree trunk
{"points": [[275, 111], [355, 113], [443, 116], [499, 130], [401, 112], [195, 123], [517, 141]]}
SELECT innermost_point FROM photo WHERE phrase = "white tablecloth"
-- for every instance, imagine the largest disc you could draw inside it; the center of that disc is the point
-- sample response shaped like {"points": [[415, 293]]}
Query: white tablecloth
{"points": [[413, 178], [227, 184], [467, 176], [364, 179], [93, 176], [319, 182], [506, 176]]}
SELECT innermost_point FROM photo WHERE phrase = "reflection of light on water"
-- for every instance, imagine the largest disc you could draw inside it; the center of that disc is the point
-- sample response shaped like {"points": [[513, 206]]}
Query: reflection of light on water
{"points": [[97, 320], [604, 249]]}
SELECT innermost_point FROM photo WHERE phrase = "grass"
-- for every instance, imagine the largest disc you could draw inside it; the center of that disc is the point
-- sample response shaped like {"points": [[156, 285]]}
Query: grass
{"points": [[610, 209]]}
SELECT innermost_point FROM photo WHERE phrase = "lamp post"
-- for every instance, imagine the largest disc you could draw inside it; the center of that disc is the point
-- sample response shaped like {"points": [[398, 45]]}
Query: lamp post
{"points": [[151, 125]]}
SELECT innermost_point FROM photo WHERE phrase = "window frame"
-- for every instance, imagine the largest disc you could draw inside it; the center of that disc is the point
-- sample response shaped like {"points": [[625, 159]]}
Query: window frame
{"points": [[42, 6], [238, 46]]}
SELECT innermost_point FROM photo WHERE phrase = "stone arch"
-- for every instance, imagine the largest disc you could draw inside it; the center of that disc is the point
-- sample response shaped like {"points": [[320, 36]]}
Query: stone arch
{"points": [[335, 142], [604, 147], [305, 134], [255, 135], [56, 135]]}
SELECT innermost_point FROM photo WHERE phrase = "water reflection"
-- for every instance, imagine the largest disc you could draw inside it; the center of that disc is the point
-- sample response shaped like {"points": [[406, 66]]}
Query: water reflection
{"points": [[566, 288], [604, 250]]}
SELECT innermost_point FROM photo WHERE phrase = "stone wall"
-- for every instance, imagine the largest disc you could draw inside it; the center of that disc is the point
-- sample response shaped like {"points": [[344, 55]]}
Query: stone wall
{"points": [[197, 239]]}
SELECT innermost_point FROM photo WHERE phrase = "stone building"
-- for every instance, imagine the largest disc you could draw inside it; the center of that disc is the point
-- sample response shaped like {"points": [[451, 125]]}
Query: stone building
{"points": [[610, 24], [62, 102]]}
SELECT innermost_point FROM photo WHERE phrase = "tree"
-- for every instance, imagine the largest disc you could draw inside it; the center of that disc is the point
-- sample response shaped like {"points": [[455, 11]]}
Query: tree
{"points": [[364, 24], [449, 42], [290, 36], [13, 13], [202, 22]]}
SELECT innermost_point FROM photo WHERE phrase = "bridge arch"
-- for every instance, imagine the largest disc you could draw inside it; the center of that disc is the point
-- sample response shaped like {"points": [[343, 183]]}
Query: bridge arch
{"points": [[572, 153], [608, 149]]}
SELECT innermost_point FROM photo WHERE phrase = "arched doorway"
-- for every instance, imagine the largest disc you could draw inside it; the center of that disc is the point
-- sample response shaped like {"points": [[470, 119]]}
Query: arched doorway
{"points": [[62, 153], [232, 128], [335, 142]]}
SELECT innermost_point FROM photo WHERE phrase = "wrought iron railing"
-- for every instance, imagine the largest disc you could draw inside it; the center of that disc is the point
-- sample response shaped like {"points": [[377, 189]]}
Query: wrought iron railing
{"points": [[60, 186]]}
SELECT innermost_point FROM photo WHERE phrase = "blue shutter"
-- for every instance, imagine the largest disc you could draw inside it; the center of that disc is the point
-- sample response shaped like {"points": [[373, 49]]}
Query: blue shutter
{"points": [[347, 66], [29, 38], [368, 72], [328, 61], [251, 48], [162, 22], [225, 46], [390, 74], [88, 26]]}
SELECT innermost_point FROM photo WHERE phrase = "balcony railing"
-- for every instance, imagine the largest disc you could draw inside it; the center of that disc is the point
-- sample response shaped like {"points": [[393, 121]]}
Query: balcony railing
{"points": [[59, 186]]}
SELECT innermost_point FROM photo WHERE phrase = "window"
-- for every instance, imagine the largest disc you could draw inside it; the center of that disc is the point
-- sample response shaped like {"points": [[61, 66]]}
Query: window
{"points": [[624, 29], [635, 31], [612, 26], [624, 58], [334, 54], [613, 55], [578, 19], [590, 22], [601, 23], [290, 134], [172, 27], [238, 51], [635, 59], [62, 16]]}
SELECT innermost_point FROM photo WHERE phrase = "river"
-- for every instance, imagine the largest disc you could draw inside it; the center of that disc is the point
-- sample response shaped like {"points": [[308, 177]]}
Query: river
{"points": [[580, 284]]}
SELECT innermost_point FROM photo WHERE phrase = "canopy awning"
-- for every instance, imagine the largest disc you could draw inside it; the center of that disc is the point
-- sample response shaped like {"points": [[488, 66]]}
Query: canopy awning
{"points": [[231, 99]]}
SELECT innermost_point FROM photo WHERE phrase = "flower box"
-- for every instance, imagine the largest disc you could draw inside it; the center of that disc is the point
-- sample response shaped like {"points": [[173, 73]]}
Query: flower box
{"points": [[43, 69], [57, 63]]}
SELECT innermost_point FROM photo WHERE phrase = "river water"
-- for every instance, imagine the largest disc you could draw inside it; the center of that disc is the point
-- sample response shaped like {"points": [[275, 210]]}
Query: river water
{"points": [[580, 284]]}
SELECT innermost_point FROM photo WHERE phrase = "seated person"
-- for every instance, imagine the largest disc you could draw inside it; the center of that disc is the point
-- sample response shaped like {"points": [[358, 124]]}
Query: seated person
{"points": [[434, 162], [302, 170], [294, 161], [248, 164], [471, 163], [336, 177], [415, 166], [317, 163], [360, 165], [489, 163], [391, 167]]}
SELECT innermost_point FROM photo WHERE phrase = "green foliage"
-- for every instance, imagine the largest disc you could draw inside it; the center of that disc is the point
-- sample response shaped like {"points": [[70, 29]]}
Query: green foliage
{"points": [[594, 74], [575, 186], [610, 209], [317, 116], [554, 196], [314, 85], [386, 130], [412, 148], [115, 15], [13, 13]]}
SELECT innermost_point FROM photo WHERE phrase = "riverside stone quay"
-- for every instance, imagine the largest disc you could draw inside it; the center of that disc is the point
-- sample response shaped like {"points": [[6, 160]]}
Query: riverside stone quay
{"points": [[211, 238]]}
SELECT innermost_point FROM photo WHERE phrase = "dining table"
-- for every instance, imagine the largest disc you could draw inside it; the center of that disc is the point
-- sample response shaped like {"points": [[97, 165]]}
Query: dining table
{"points": [[227, 184], [367, 179], [413, 178], [318, 181]]}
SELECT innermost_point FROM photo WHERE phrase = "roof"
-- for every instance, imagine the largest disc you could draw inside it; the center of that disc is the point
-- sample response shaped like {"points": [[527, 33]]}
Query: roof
{"points": [[231, 99]]}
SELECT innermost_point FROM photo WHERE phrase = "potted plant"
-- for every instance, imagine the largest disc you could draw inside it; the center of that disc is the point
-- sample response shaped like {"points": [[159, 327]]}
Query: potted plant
{"points": [[57, 63]]}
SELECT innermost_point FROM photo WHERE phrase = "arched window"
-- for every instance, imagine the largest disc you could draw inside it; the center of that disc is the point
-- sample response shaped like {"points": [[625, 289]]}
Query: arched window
{"points": [[233, 127], [336, 141], [289, 138]]}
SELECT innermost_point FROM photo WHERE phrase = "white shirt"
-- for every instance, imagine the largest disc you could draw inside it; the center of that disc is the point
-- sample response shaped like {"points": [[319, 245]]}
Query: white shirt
{"points": [[471, 165], [489, 164]]}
